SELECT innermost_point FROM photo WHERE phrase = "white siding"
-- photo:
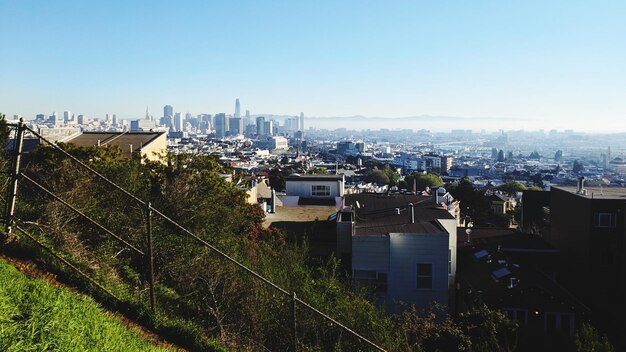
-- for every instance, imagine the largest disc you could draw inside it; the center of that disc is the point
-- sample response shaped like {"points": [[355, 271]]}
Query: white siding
{"points": [[450, 226], [370, 253], [406, 251], [303, 188]]}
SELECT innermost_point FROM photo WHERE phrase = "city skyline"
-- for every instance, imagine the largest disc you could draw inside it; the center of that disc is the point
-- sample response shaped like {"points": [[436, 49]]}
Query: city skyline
{"points": [[555, 63]]}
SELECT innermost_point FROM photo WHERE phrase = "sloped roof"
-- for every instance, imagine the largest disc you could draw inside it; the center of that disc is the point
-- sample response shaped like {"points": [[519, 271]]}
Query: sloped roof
{"points": [[377, 214]]}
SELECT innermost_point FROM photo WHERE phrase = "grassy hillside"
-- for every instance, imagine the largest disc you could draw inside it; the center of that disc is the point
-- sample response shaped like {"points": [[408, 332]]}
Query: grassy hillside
{"points": [[35, 316]]}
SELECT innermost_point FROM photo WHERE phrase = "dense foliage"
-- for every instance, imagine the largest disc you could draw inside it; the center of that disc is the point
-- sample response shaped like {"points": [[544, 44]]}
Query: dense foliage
{"points": [[35, 316]]}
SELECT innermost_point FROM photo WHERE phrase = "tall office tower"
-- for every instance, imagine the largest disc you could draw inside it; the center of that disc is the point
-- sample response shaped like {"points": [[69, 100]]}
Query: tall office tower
{"points": [[237, 109], [40, 118], [178, 122], [67, 116], [248, 114], [236, 126], [268, 128], [260, 125], [168, 111], [291, 124], [302, 121], [82, 120], [221, 125], [147, 114], [114, 120], [55, 120]]}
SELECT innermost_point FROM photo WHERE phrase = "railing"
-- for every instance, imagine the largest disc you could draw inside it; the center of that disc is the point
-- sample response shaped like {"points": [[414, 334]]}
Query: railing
{"points": [[146, 256]]}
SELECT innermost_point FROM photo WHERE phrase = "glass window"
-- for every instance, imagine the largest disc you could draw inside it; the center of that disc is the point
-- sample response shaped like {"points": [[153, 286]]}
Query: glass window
{"points": [[605, 220], [424, 276], [320, 191]]}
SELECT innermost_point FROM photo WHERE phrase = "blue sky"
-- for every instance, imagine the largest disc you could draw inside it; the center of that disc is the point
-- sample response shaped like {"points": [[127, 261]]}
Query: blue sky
{"points": [[563, 62]]}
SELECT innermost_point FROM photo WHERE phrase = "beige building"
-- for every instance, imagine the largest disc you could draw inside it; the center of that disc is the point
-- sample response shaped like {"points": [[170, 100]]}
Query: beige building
{"points": [[149, 145]]}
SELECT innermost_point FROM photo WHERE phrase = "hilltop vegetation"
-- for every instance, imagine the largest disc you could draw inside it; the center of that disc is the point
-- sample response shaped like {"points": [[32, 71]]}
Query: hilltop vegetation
{"points": [[35, 316]]}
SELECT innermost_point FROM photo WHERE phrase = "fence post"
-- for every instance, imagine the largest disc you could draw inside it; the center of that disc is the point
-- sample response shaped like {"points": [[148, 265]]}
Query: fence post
{"points": [[15, 173], [294, 330], [150, 255]]}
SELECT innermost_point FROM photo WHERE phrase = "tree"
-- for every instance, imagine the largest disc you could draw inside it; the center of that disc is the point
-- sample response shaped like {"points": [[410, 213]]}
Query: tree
{"points": [[501, 155], [393, 175], [558, 155], [317, 171], [473, 202], [378, 177], [277, 179], [577, 167], [588, 339], [489, 330], [421, 181], [512, 187]]}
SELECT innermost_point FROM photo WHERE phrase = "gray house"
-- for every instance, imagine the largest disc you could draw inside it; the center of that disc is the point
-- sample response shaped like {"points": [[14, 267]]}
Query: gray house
{"points": [[402, 246]]}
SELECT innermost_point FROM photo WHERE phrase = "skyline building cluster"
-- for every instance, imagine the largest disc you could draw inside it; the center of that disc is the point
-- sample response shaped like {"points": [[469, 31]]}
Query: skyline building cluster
{"points": [[180, 123]]}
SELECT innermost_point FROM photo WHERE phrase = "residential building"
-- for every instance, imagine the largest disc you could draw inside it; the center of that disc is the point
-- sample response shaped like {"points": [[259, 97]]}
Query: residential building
{"points": [[402, 246], [313, 190]]}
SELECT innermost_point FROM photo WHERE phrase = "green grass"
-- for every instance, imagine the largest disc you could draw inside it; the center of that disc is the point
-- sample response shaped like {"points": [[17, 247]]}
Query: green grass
{"points": [[35, 316]]}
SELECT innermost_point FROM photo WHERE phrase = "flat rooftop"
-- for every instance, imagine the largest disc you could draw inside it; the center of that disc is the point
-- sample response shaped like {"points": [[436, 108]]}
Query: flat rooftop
{"points": [[597, 192], [126, 141], [314, 178], [301, 213]]}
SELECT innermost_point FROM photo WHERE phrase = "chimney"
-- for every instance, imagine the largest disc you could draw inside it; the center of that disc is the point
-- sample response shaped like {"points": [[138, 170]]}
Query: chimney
{"points": [[580, 188], [412, 208]]}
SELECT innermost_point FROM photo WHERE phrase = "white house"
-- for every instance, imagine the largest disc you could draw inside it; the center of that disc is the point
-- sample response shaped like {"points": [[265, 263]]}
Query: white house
{"points": [[313, 190], [404, 246]]}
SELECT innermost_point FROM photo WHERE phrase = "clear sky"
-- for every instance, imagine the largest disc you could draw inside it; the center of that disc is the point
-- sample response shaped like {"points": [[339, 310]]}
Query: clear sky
{"points": [[562, 62]]}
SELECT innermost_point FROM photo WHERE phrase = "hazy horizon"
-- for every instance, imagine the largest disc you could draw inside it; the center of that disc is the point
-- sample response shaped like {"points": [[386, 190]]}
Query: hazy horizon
{"points": [[553, 65]]}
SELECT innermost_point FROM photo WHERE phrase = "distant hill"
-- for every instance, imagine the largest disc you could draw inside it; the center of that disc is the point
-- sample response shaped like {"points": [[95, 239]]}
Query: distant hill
{"points": [[429, 122]]}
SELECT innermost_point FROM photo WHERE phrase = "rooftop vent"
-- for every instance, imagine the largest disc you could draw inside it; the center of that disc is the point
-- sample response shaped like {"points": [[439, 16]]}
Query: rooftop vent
{"points": [[513, 282], [580, 187]]}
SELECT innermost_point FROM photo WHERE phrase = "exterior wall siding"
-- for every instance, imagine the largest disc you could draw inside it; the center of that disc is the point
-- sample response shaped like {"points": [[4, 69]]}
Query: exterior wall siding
{"points": [[406, 251], [370, 253], [303, 188]]}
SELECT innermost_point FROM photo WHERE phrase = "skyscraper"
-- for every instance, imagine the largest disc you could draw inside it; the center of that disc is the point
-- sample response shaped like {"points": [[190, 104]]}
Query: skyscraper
{"points": [[168, 111], [221, 125], [178, 122], [260, 125], [302, 121], [237, 109], [236, 126], [67, 116]]}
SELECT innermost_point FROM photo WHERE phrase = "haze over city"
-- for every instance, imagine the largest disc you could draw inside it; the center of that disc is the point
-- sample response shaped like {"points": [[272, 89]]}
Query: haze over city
{"points": [[527, 65]]}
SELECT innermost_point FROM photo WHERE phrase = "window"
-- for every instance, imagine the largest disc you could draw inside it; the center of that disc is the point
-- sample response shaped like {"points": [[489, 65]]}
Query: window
{"points": [[320, 191], [606, 220], [370, 278], [424, 276], [520, 315]]}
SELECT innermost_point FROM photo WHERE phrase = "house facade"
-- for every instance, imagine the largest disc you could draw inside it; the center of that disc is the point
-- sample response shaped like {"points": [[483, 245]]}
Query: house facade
{"points": [[314, 190], [401, 246]]}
